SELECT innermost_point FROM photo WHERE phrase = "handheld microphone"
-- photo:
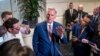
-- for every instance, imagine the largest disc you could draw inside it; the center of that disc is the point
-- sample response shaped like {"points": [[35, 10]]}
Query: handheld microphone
{"points": [[91, 43]]}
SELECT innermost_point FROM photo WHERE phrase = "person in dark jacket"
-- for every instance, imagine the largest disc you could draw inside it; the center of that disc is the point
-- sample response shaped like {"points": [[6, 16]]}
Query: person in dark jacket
{"points": [[70, 15], [81, 35]]}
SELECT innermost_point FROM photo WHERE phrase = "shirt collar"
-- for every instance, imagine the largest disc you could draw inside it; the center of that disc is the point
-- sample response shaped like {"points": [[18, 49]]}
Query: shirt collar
{"points": [[50, 24]]}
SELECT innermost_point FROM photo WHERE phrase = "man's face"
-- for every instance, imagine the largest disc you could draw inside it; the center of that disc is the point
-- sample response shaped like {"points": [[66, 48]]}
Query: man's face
{"points": [[7, 17], [85, 21], [95, 11], [80, 9], [71, 6], [51, 16], [16, 28]]}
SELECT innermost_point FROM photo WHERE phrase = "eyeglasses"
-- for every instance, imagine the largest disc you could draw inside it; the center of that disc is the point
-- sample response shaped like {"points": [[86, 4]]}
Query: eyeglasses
{"points": [[17, 28]]}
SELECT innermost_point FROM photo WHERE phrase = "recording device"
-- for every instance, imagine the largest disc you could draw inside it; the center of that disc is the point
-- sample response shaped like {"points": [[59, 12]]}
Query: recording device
{"points": [[91, 43]]}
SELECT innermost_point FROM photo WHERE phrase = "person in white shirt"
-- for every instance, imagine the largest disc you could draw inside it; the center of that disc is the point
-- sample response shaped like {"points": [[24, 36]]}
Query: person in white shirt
{"points": [[13, 30], [24, 31]]}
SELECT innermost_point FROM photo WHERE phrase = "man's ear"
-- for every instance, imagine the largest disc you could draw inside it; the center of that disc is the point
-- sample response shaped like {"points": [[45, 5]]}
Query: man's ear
{"points": [[3, 19], [10, 30]]}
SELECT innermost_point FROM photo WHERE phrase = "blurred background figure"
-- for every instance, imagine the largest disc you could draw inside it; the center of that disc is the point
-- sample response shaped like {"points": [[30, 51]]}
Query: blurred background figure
{"points": [[95, 18], [81, 34], [96, 27], [81, 13], [13, 28], [5, 16], [70, 15]]}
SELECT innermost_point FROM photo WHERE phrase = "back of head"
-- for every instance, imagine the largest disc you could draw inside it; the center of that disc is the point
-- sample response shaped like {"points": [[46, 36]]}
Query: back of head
{"points": [[25, 51], [14, 48], [20, 51], [6, 46], [5, 15]]}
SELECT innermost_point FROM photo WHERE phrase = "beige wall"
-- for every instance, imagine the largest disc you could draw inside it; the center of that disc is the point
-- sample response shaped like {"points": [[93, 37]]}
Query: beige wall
{"points": [[62, 5]]}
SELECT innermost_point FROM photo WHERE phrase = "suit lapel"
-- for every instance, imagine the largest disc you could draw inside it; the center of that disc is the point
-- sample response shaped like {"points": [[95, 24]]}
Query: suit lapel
{"points": [[84, 33]]}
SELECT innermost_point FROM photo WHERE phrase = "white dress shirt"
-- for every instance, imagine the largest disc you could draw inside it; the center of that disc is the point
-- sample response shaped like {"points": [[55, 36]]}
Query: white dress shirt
{"points": [[8, 36], [48, 26], [71, 12]]}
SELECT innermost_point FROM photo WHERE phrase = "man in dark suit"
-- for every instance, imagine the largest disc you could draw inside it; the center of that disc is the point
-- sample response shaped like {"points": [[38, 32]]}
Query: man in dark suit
{"points": [[47, 35], [81, 13], [95, 18], [95, 23], [81, 35], [70, 15]]}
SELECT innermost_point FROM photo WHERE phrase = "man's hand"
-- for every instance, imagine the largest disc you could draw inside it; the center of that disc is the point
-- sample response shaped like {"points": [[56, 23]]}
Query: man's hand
{"points": [[69, 26], [60, 30], [85, 41], [72, 23], [27, 29], [76, 20], [74, 39], [94, 48]]}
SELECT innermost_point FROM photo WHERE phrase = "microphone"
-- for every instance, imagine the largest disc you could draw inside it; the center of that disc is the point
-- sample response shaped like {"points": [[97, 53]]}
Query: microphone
{"points": [[55, 38], [57, 41], [95, 48], [91, 43], [66, 29]]}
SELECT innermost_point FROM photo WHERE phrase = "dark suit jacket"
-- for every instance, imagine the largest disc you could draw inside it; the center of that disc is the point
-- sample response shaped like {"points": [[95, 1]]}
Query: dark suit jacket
{"points": [[83, 13], [68, 16], [96, 35], [94, 23], [81, 49], [41, 43], [87, 33]]}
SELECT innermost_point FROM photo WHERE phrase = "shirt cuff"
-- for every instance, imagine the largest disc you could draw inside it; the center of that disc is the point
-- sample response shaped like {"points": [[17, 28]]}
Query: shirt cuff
{"points": [[62, 36]]}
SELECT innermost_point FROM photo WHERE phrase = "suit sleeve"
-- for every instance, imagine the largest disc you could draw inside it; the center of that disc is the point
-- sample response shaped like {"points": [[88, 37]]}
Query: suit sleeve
{"points": [[66, 16], [64, 39], [73, 30], [35, 40]]}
